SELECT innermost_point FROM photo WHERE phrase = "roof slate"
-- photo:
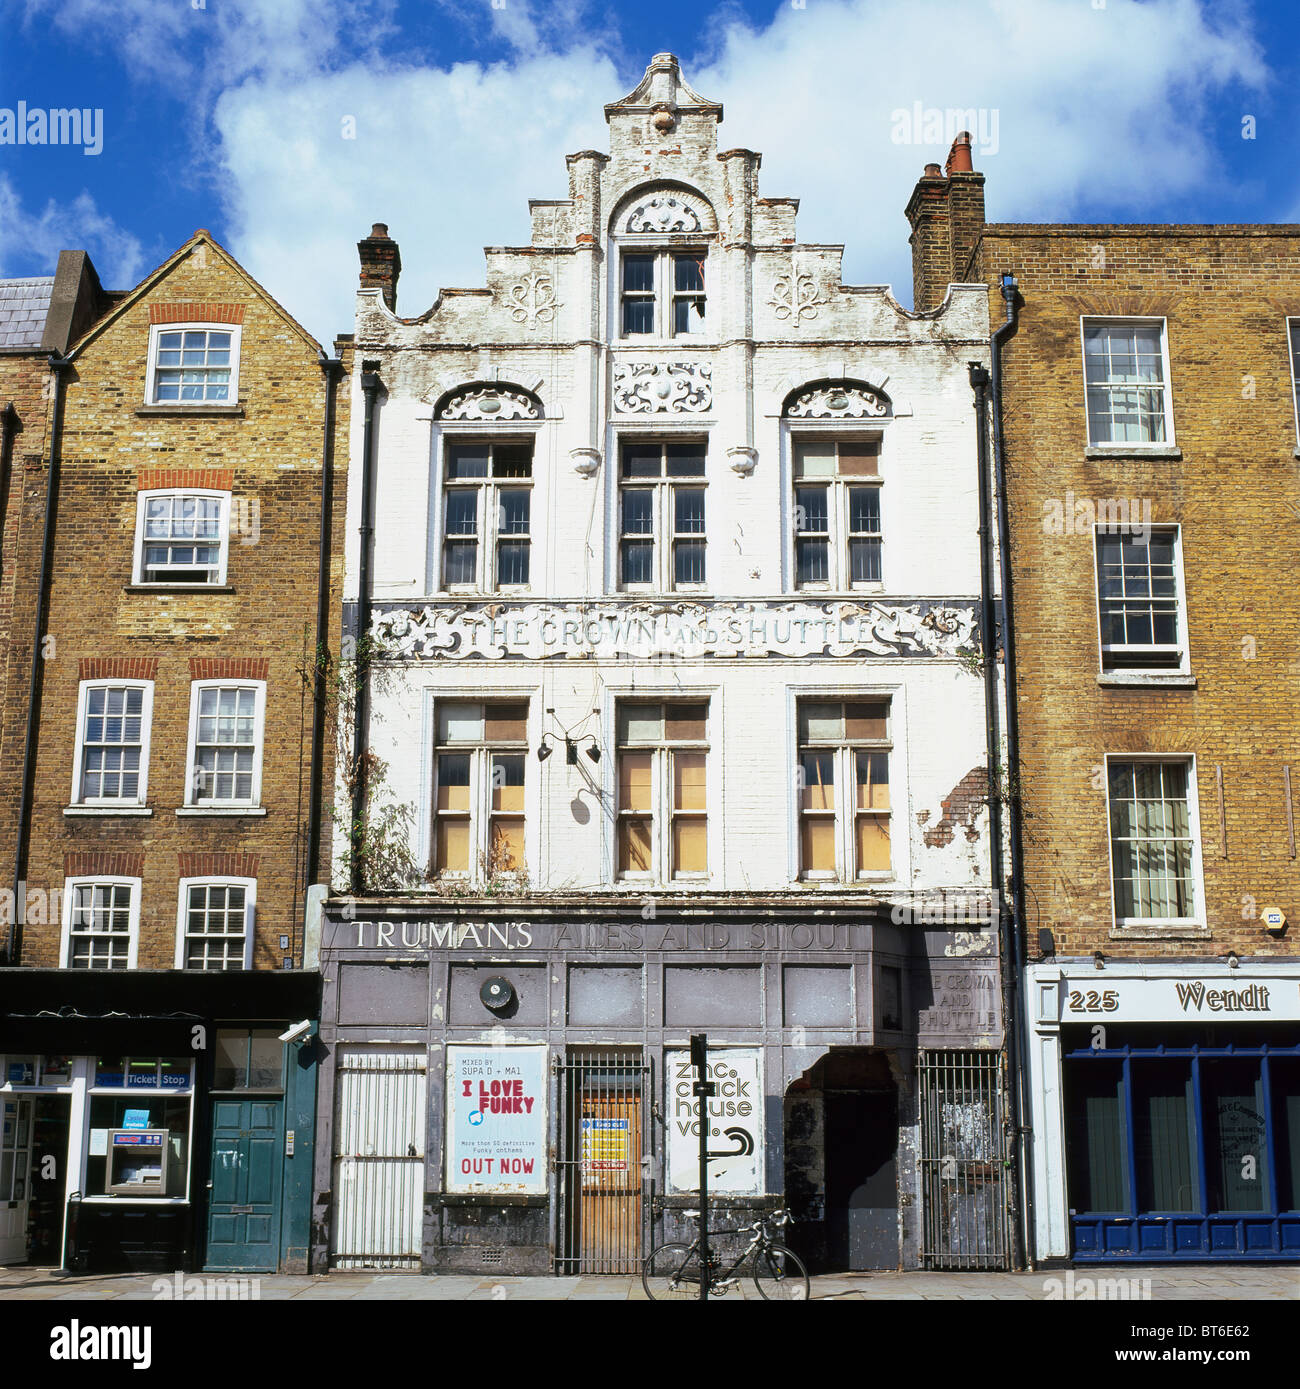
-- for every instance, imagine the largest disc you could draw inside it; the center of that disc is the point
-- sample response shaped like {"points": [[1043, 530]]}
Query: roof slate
{"points": [[23, 307]]}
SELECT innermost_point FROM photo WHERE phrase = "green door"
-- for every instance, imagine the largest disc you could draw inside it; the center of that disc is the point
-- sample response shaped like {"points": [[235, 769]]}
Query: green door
{"points": [[244, 1196]]}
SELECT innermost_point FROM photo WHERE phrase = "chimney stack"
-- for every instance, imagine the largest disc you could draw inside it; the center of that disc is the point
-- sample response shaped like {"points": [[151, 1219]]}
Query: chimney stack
{"points": [[946, 212], [381, 263]]}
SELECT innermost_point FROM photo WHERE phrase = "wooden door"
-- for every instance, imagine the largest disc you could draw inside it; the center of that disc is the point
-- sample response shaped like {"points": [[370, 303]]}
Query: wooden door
{"points": [[610, 1155]]}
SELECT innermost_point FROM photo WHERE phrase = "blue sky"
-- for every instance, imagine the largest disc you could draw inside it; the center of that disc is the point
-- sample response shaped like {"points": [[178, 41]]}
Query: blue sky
{"points": [[233, 115]]}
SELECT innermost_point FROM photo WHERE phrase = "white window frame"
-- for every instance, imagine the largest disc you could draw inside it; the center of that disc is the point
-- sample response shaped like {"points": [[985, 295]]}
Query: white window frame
{"points": [[480, 754], [663, 513], [489, 534], [839, 567], [70, 886], [146, 729], [182, 917], [661, 792], [846, 812], [151, 375], [1161, 925], [1293, 365], [192, 799], [1131, 445], [665, 292], [138, 567], [1183, 665]]}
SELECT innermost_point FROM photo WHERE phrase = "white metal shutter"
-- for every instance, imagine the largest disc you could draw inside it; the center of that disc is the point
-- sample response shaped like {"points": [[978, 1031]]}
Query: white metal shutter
{"points": [[379, 1159]]}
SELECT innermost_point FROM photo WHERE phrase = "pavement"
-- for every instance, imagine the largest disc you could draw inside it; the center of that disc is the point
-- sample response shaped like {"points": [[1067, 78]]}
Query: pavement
{"points": [[1269, 1282]]}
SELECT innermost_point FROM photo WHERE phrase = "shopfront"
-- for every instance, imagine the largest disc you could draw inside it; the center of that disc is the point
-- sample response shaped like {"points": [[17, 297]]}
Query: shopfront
{"points": [[151, 1122], [1176, 1091], [509, 1087]]}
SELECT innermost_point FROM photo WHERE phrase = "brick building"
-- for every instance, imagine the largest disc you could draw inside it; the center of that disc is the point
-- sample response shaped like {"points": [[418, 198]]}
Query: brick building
{"points": [[1148, 432], [675, 590], [173, 771]]}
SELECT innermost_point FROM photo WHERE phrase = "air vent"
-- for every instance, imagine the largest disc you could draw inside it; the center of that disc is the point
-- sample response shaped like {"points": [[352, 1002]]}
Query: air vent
{"points": [[490, 1256]]}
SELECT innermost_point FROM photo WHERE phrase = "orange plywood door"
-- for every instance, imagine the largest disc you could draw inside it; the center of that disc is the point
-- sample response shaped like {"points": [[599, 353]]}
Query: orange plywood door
{"points": [[610, 1214]]}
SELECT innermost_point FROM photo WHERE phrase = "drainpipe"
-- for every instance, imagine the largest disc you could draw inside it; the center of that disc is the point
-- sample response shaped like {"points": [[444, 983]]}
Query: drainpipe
{"points": [[980, 383], [8, 433], [370, 388], [1018, 1056], [331, 367], [58, 366]]}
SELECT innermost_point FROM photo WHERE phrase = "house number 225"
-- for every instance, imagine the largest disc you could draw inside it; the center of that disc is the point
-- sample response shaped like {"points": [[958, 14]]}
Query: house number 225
{"points": [[1092, 1001]]}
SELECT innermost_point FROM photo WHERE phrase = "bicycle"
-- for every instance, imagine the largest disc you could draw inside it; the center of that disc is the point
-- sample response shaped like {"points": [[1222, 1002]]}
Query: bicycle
{"points": [[672, 1271]]}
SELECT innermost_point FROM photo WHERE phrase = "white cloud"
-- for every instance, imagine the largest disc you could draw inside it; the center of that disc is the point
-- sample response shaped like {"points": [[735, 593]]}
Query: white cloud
{"points": [[1093, 108], [34, 239]]}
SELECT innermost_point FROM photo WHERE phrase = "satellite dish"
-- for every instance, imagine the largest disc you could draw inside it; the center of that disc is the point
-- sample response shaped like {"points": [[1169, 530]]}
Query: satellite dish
{"points": [[497, 993]]}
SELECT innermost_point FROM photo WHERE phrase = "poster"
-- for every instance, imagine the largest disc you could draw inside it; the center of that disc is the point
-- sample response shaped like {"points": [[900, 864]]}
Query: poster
{"points": [[496, 1118], [605, 1145], [735, 1122]]}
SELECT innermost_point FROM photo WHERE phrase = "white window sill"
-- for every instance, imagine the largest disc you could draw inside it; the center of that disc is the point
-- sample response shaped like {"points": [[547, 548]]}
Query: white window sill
{"points": [[171, 407], [1130, 929], [1132, 451], [221, 810], [1151, 680], [107, 810]]}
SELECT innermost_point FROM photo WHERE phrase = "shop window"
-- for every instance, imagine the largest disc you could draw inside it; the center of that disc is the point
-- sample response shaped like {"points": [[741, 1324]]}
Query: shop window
{"points": [[1098, 1148], [487, 515], [480, 767], [1286, 1130], [1236, 1139], [838, 532], [1153, 842], [662, 542], [1164, 1137], [139, 1138], [248, 1059], [662, 797], [843, 788]]}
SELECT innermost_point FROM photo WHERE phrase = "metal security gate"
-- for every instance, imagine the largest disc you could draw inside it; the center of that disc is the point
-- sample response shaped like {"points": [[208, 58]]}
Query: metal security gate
{"points": [[964, 1160], [604, 1131], [379, 1159]]}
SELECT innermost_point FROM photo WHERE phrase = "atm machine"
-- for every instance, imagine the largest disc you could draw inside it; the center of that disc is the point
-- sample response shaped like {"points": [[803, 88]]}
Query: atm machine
{"points": [[137, 1162]]}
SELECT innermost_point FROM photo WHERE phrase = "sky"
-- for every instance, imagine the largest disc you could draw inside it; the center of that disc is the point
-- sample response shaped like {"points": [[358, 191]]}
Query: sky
{"points": [[286, 127]]}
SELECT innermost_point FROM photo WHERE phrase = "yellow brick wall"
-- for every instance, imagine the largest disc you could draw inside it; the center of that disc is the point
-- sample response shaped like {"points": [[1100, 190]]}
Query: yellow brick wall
{"points": [[1235, 493], [273, 453]]}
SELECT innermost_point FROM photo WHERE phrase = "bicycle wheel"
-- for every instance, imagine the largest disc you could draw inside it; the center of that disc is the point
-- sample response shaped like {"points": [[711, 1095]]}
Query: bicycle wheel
{"points": [[780, 1275], [671, 1273]]}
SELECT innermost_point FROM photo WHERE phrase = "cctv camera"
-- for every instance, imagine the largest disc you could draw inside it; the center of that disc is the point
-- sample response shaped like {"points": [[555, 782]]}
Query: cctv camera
{"points": [[297, 1032]]}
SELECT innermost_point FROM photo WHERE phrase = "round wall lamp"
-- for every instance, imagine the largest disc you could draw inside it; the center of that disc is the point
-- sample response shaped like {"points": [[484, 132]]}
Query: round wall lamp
{"points": [[497, 993]]}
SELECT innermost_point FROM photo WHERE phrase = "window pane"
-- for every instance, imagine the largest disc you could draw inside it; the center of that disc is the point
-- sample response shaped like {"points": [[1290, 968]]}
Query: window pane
{"points": [[864, 562], [639, 723], [1162, 1137], [820, 722], [688, 510], [506, 723], [638, 316], [688, 271], [467, 461], [641, 461], [637, 558], [814, 459], [688, 781], [873, 780], [507, 844], [1236, 1146], [458, 723], [873, 844], [817, 777], [685, 722], [638, 511], [513, 558], [811, 510], [818, 844], [514, 504], [512, 460], [461, 561], [634, 846], [685, 460], [688, 562], [462, 511], [639, 274], [453, 781], [452, 849], [864, 509], [690, 845], [859, 459], [1096, 1150], [231, 1068], [635, 770], [508, 782], [866, 720]]}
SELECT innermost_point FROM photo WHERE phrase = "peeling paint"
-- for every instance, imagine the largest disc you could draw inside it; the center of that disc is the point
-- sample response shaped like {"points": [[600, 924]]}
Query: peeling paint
{"points": [[961, 807]]}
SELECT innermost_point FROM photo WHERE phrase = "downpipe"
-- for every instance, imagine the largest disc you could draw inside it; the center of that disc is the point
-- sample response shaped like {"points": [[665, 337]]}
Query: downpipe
{"points": [[370, 388]]}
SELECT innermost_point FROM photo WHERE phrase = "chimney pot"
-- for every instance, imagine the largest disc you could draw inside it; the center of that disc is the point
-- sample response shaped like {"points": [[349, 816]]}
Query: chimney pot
{"points": [[959, 160], [379, 229], [933, 171]]}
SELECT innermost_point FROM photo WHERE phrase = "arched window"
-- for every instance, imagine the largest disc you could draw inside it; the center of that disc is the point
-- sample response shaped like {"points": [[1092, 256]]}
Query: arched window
{"points": [[662, 235]]}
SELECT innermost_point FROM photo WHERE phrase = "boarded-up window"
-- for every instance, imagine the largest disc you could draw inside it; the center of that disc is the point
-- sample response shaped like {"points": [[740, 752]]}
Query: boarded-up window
{"points": [[479, 786], [662, 789], [846, 741]]}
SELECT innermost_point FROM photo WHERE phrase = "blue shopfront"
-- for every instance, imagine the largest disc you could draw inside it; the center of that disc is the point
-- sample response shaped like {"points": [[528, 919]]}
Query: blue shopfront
{"points": [[1167, 1112]]}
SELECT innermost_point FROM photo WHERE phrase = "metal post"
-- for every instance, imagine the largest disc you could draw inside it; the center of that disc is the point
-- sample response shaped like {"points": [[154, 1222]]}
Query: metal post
{"points": [[703, 1088]]}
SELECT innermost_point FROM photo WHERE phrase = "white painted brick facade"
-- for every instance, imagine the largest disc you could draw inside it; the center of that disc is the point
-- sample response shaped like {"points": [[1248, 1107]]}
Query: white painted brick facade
{"points": [[758, 357]]}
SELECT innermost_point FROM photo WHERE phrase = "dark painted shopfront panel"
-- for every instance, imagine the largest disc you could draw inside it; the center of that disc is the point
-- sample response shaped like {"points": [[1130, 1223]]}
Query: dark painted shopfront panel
{"points": [[546, 1104]]}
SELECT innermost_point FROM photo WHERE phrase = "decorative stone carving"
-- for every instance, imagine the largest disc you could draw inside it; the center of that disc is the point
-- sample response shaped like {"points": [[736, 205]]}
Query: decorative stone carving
{"points": [[643, 388], [489, 403], [662, 213], [796, 297], [533, 301], [838, 403], [586, 462], [743, 459], [559, 631]]}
